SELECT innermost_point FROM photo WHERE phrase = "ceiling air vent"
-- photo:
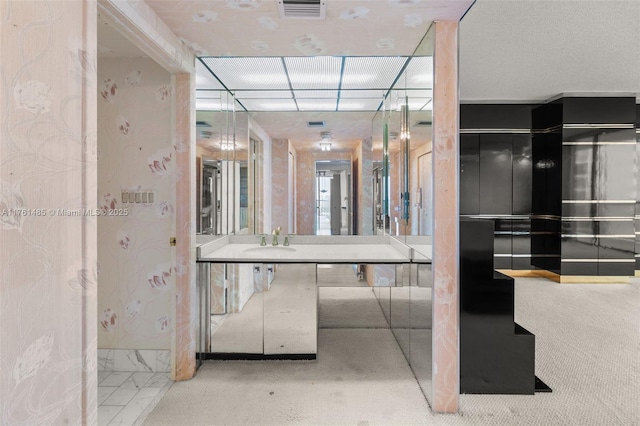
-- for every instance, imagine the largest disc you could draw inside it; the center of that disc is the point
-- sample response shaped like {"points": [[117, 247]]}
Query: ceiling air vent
{"points": [[202, 124], [304, 9], [204, 134], [315, 123]]}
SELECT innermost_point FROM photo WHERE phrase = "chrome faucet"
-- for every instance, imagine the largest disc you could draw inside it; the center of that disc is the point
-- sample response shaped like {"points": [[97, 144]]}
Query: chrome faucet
{"points": [[275, 239], [263, 240], [286, 240]]}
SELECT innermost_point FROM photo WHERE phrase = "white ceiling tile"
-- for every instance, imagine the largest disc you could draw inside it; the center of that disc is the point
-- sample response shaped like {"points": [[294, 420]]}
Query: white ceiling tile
{"points": [[263, 94], [204, 78], [317, 104], [269, 105], [373, 72], [374, 94], [314, 94], [317, 72], [365, 104], [249, 73], [418, 74]]}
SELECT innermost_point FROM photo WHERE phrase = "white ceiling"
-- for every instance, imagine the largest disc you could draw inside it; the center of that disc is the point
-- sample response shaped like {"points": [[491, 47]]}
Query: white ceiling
{"points": [[531, 50]]}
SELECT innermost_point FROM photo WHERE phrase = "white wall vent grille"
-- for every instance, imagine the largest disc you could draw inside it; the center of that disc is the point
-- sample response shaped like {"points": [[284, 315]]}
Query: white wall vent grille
{"points": [[303, 9]]}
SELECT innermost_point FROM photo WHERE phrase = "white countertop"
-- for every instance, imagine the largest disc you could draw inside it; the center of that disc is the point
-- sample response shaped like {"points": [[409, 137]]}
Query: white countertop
{"points": [[306, 249]]}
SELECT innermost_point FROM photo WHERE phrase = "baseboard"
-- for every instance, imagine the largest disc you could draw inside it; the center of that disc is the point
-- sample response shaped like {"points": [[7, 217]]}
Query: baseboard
{"points": [[589, 279], [518, 273], [566, 279], [530, 273]]}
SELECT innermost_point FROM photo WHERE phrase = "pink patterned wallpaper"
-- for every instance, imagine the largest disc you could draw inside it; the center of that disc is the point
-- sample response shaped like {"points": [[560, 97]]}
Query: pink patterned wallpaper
{"points": [[137, 264], [48, 259], [446, 157]]}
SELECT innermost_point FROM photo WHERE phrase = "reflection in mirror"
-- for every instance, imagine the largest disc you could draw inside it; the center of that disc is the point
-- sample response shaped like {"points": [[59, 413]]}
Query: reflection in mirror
{"points": [[345, 300], [222, 211], [333, 197], [226, 182], [236, 309], [401, 308], [290, 310], [402, 132], [420, 335]]}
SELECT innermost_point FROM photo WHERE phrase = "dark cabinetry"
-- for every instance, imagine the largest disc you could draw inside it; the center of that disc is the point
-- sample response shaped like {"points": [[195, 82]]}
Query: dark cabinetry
{"points": [[496, 176], [497, 356], [584, 164]]}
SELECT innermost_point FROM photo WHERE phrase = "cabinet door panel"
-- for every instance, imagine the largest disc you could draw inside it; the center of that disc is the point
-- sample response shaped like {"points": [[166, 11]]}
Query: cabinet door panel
{"points": [[616, 172], [496, 174], [522, 174], [469, 174]]}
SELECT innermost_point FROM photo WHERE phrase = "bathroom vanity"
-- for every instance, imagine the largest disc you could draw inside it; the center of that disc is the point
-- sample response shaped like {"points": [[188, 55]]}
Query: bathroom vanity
{"points": [[261, 301]]}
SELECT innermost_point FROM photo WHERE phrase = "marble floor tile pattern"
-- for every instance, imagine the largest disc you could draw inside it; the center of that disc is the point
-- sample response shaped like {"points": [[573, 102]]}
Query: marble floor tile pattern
{"points": [[125, 398]]}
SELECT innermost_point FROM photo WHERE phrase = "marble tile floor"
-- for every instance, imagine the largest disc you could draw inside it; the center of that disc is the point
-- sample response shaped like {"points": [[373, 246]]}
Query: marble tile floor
{"points": [[126, 398]]}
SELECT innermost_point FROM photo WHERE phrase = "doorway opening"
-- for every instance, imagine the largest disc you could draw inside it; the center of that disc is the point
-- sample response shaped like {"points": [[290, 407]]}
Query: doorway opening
{"points": [[333, 198]]}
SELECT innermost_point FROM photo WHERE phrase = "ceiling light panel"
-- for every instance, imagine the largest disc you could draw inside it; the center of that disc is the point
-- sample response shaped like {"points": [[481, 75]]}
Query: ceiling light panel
{"points": [[418, 74], [401, 93], [368, 104], [249, 73], [204, 78], [207, 94], [314, 72], [269, 104], [263, 94], [378, 72], [371, 94], [212, 105], [315, 94], [317, 104]]}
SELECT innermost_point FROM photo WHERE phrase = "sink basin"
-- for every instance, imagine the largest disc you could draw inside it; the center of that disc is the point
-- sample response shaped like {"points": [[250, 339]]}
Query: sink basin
{"points": [[269, 250]]}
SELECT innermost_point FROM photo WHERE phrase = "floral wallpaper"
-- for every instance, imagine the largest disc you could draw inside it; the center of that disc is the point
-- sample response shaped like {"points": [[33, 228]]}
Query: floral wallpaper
{"points": [[137, 264], [48, 259], [383, 27]]}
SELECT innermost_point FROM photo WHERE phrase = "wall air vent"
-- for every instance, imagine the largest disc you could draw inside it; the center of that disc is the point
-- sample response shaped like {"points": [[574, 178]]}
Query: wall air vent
{"points": [[303, 9], [315, 123], [422, 124]]}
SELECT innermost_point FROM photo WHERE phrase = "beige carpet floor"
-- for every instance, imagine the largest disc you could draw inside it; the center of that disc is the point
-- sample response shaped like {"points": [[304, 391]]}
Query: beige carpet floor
{"points": [[587, 350], [360, 378]]}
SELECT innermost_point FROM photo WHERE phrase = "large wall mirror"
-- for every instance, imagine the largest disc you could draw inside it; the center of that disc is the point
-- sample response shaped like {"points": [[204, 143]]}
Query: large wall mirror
{"points": [[333, 170], [228, 170], [402, 179]]}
